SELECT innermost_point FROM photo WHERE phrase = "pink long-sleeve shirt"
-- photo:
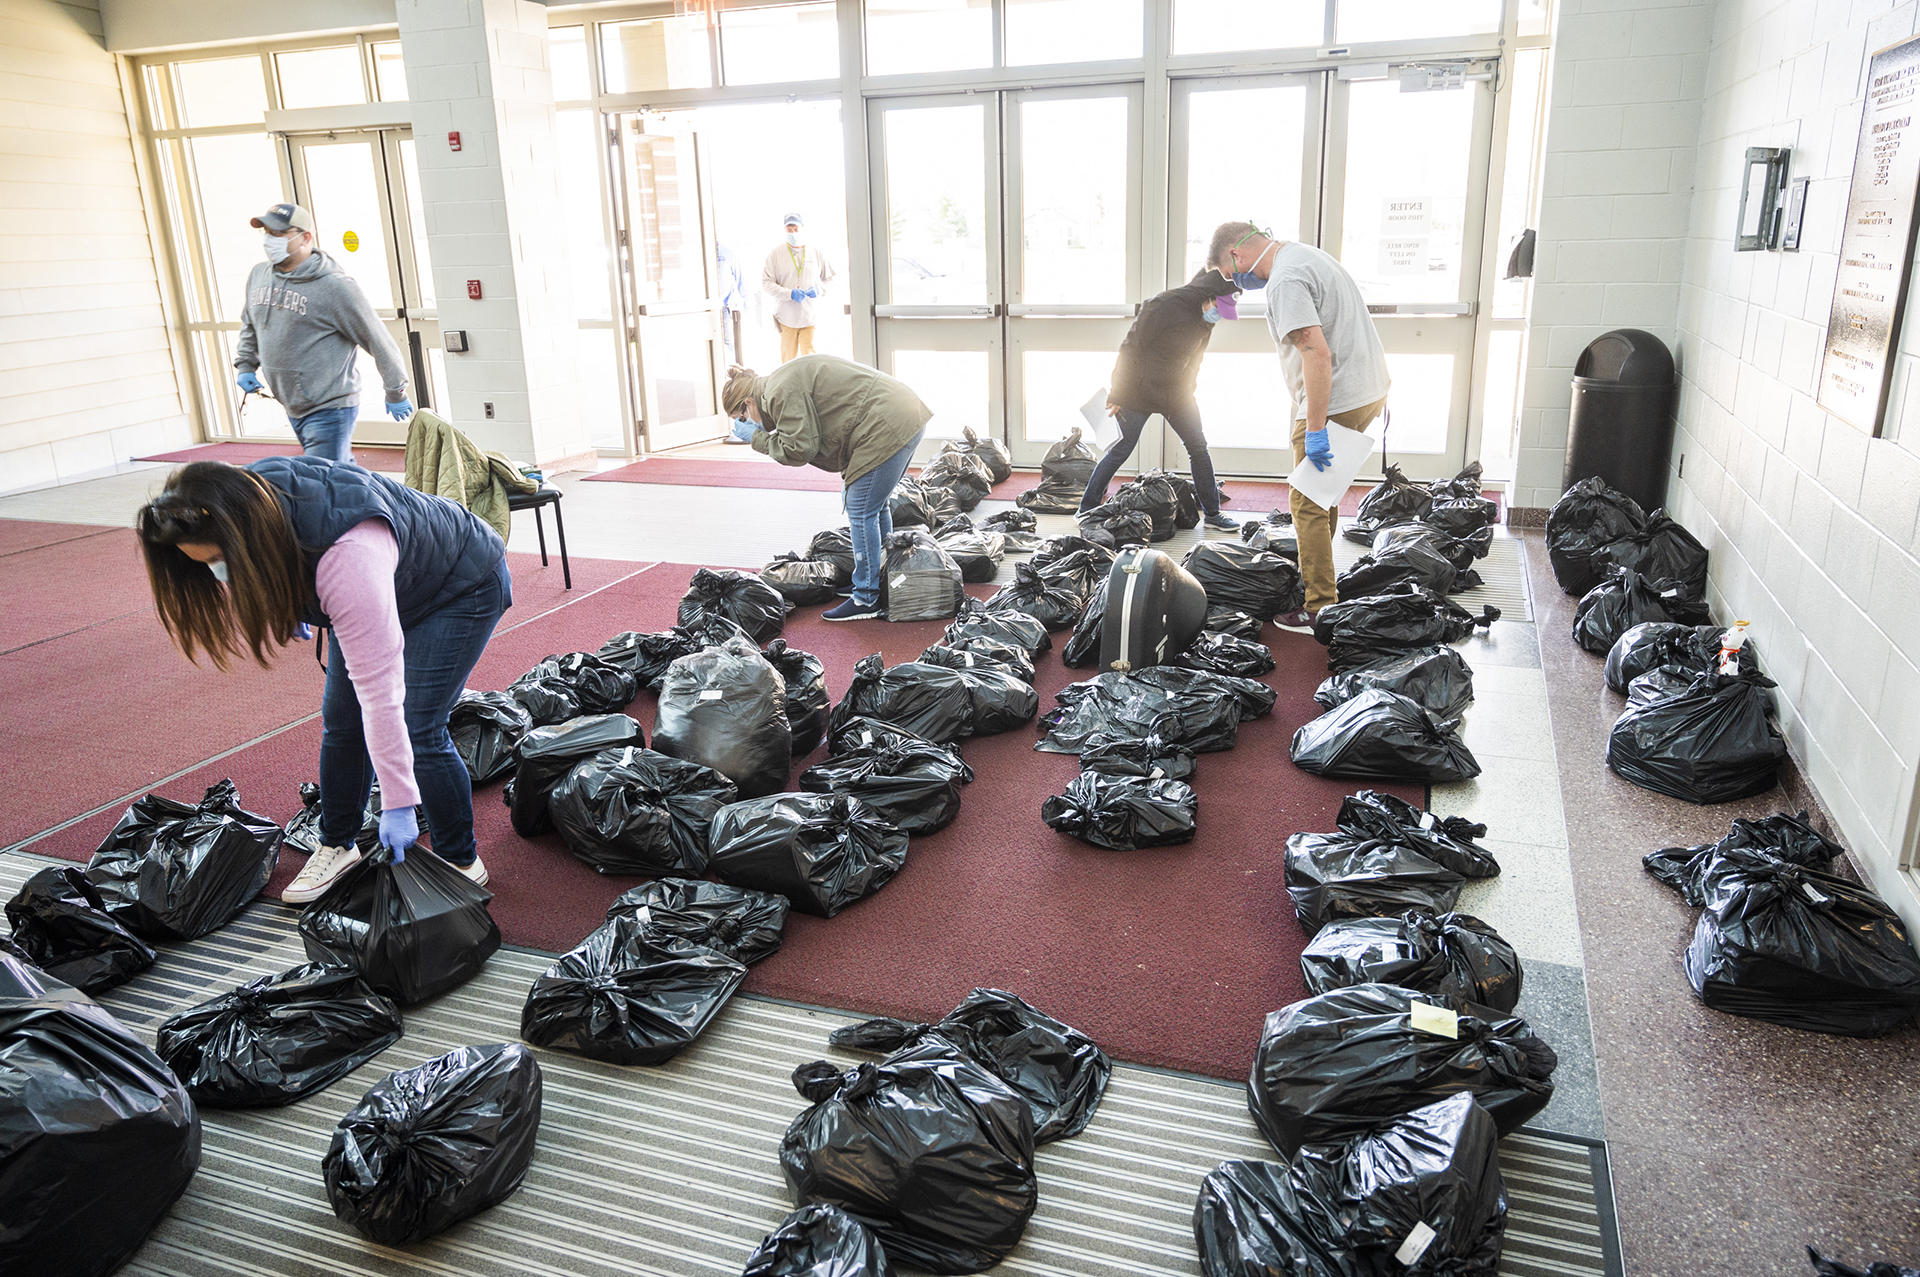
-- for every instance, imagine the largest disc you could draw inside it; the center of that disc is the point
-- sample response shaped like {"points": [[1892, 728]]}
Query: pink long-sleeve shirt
{"points": [[354, 580]]}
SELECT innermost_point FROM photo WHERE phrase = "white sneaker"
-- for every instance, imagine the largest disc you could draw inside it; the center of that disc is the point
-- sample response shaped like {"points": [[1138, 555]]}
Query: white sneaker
{"points": [[323, 866], [476, 873]]}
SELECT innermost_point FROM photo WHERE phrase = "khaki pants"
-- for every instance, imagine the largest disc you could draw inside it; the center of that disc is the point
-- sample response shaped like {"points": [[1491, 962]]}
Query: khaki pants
{"points": [[1315, 527], [794, 341]]}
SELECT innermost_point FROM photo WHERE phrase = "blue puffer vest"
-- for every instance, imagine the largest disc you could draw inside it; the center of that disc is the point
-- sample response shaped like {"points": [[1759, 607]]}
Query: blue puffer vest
{"points": [[445, 550]]}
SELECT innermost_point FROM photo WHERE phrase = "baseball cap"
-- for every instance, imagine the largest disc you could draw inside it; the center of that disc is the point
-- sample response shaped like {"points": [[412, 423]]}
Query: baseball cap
{"points": [[792, 219], [281, 216]]}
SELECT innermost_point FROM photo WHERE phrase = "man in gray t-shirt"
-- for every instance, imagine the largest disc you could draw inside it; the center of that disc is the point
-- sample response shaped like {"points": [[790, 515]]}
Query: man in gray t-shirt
{"points": [[1335, 366]]}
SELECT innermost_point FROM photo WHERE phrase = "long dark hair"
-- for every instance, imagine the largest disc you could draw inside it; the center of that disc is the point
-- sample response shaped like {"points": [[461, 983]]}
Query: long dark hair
{"points": [[257, 611]]}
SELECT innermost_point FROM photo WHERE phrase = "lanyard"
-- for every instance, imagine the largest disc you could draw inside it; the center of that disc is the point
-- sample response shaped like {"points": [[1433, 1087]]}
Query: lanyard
{"points": [[799, 263]]}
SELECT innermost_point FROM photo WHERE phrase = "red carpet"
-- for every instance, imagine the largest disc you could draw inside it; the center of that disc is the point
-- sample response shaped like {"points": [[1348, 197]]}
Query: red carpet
{"points": [[389, 460], [1168, 957], [17, 535]]}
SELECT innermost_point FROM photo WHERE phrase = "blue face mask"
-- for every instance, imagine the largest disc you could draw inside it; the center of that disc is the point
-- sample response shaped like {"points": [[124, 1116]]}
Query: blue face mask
{"points": [[219, 569], [1209, 314], [1246, 279]]}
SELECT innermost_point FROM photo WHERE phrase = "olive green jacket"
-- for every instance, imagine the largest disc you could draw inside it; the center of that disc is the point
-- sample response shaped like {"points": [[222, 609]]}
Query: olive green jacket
{"points": [[825, 411]]}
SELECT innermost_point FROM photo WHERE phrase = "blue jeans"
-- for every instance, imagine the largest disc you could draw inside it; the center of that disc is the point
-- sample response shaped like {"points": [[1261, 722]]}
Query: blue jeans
{"points": [[328, 433], [1186, 424], [441, 652], [871, 521]]}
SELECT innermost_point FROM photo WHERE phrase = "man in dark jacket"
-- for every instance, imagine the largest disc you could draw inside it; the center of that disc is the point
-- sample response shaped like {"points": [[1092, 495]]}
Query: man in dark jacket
{"points": [[1159, 364]]}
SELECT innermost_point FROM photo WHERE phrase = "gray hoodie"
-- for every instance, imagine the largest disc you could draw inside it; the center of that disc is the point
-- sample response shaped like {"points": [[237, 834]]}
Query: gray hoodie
{"points": [[300, 329]]}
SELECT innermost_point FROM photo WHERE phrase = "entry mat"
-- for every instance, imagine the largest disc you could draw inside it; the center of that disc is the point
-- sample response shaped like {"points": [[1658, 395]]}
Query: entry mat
{"points": [[675, 1170]]}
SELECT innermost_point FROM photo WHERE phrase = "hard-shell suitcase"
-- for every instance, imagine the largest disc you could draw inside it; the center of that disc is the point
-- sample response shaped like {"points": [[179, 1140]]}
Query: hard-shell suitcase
{"points": [[1155, 609]]}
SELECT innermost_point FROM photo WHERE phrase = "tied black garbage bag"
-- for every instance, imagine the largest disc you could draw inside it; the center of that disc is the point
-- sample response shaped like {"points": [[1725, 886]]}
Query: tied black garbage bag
{"points": [[802, 582], [931, 701], [1445, 840], [1258, 582], [97, 1138], [1436, 678], [1397, 499], [921, 582], [1587, 516], [1463, 485], [726, 708], [1056, 601], [1083, 646], [1449, 954], [1382, 735], [908, 505], [1124, 813], [1011, 521], [1655, 643], [1421, 1194], [991, 451], [1336, 1065], [547, 754], [819, 1241], [413, 929], [1362, 631], [821, 851], [1064, 472], [1626, 599], [1225, 654], [1058, 1070], [859, 732], [1115, 527], [646, 656], [808, 704], [1194, 709], [1407, 559], [61, 925], [626, 998], [1145, 756], [978, 553], [1002, 700], [927, 1148], [1098, 558], [1790, 838], [1711, 742], [1017, 629], [967, 476], [1662, 550], [486, 728], [278, 1038], [911, 784], [834, 546], [1462, 516], [1238, 624], [430, 1145], [974, 653], [744, 925], [1348, 875], [739, 597], [634, 811], [1159, 486], [303, 838], [169, 871], [1824, 1267], [1791, 945], [561, 687]]}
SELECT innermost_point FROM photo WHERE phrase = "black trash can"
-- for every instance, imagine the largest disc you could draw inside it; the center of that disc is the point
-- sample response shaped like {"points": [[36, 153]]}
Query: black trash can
{"points": [[1621, 427]]}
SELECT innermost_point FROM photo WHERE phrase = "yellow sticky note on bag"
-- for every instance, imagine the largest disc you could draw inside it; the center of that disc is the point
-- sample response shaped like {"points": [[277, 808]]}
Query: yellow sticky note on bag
{"points": [[1438, 1021]]}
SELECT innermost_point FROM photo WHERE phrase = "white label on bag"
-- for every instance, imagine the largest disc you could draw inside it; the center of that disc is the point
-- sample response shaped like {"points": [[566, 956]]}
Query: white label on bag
{"points": [[1428, 820], [1157, 774], [1670, 594], [1438, 1021], [969, 656], [1416, 1244], [899, 580], [712, 694], [626, 759], [866, 739], [1812, 893]]}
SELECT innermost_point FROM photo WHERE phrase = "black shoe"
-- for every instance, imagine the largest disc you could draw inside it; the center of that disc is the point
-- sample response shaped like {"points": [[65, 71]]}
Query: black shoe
{"points": [[1222, 523], [853, 610]]}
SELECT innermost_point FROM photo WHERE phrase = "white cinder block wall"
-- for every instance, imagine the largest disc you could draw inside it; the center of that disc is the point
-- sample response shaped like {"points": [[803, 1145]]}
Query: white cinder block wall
{"points": [[86, 372]]}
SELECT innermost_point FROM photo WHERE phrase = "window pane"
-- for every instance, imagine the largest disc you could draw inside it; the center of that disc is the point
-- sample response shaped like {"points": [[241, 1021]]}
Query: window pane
{"points": [[223, 91], [259, 415], [236, 177], [1415, 19], [321, 77], [1406, 201], [788, 42], [1516, 195], [1221, 26], [677, 354], [156, 100], [1534, 16], [1244, 402], [389, 72], [599, 371], [1266, 190], [951, 382], [937, 204], [1421, 401], [905, 36], [568, 56], [1074, 192], [1041, 31], [659, 53], [417, 218], [345, 200], [663, 210], [1500, 416], [590, 265], [1055, 383]]}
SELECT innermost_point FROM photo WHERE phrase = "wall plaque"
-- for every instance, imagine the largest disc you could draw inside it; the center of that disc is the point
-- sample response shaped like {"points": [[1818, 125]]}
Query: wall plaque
{"points": [[1870, 288]]}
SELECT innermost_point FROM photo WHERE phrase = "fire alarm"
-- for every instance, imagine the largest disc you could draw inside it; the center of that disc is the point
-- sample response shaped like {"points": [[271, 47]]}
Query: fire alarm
{"points": [[453, 141], [473, 290]]}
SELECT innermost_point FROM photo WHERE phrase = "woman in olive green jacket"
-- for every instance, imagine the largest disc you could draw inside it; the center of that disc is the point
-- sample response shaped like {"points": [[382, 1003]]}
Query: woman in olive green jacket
{"points": [[821, 410]]}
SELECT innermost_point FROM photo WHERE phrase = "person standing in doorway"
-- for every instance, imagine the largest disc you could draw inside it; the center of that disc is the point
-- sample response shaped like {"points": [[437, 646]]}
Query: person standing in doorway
{"points": [[304, 320], [733, 299], [796, 277], [1335, 366]]}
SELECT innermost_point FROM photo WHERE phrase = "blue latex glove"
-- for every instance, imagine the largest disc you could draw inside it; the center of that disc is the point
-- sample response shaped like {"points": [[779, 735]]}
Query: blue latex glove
{"points": [[249, 383], [303, 632], [399, 830], [813, 292], [799, 294], [1319, 450], [400, 410]]}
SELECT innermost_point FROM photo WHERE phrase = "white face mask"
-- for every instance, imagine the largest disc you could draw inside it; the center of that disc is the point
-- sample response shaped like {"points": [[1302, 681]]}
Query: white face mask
{"points": [[796, 238], [219, 569], [277, 247]]}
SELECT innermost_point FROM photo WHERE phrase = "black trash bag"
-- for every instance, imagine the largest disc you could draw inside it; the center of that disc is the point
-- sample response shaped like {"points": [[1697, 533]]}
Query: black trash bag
{"points": [[61, 925], [1436, 678], [1788, 944], [170, 871], [1154, 495], [1450, 954], [1626, 599], [1662, 550], [1790, 838], [1447, 840], [912, 784], [413, 929], [927, 1148], [1145, 756], [1114, 528], [1462, 516], [278, 1038], [1346, 875], [1064, 472], [821, 851], [744, 925], [1652, 644], [1382, 735], [1662, 682], [961, 471], [978, 553], [566, 686], [1275, 534], [802, 582], [930, 701], [98, 1139], [1124, 813], [1407, 559], [1196, 709], [921, 582], [1711, 742], [624, 997], [1018, 629], [1083, 570], [646, 656], [1235, 623], [1587, 516], [1420, 1194], [819, 1241], [631, 811], [1465, 484], [1186, 498], [1098, 561], [1258, 582], [1060, 1072], [1398, 499], [547, 754], [858, 732], [431, 1145], [974, 653], [303, 838], [999, 461], [908, 506], [1362, 631], [808, 704], [834, 546], [1083, 646], [1002, 700], [1225, 654], [486, 728], [739, 597], [1055, 601], [1053, 496], [1824, 1267], [1336, 1065], [726, 708], [1008, 521]]}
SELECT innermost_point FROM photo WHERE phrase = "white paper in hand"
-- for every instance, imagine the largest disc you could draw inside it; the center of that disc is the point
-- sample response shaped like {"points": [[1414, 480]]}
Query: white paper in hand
{"points": [[1104, 429], [1325, 488]]}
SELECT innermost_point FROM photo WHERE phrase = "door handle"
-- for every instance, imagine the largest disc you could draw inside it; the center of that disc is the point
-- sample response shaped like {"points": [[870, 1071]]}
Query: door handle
{"points": [[937, 312]]}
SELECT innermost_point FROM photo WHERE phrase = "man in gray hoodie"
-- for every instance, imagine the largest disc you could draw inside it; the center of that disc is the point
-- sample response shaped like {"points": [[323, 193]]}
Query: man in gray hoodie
{"points": [[303, 320]]}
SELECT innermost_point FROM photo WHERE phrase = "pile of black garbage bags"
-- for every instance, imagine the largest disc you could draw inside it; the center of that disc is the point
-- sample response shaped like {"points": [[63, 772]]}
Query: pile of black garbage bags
{"points": [[1424, 534]]}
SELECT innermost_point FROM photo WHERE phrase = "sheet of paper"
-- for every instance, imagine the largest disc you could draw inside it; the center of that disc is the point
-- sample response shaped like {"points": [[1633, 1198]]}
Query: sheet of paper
{"points": [[1325, 488], [1104, 429], [1439, 1021]]}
